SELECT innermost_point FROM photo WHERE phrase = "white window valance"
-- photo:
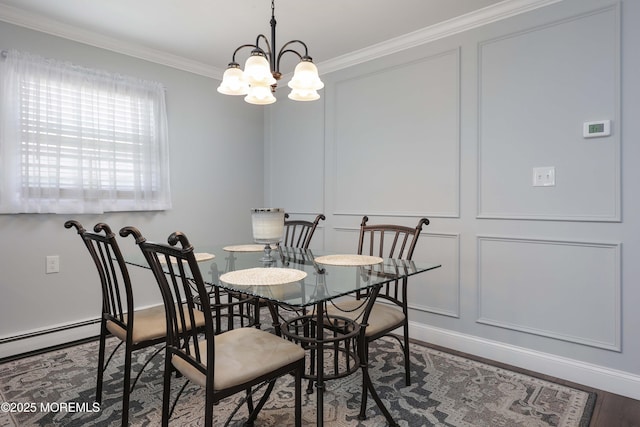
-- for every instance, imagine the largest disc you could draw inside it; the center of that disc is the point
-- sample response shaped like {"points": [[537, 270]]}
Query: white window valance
{"points": [[79, 140]]}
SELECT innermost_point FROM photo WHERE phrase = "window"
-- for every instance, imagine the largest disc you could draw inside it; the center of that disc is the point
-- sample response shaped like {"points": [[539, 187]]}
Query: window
{"points": [[77, 140]]}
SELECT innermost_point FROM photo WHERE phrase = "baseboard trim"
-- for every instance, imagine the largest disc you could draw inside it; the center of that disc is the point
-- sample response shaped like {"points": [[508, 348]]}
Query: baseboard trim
{"points": [[590, 375]]}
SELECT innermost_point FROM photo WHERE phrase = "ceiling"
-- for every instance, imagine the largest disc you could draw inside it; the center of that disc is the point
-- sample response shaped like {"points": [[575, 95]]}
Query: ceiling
{"points": [[201, 35]]}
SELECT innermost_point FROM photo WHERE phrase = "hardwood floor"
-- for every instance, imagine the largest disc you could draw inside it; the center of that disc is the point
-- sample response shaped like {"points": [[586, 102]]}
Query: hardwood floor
{"points": [[610, 410]]}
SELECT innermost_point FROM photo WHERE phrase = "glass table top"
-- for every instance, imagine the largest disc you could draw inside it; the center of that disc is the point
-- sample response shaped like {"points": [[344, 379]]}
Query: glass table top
{"points": [[322, 282]]}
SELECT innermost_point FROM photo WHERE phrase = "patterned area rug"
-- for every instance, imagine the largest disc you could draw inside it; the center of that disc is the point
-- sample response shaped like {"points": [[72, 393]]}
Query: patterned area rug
{"points": [[57, 389]]}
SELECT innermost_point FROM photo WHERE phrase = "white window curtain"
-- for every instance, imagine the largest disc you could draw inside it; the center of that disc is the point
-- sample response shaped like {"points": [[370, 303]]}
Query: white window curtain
{"points": [[78, 140]]}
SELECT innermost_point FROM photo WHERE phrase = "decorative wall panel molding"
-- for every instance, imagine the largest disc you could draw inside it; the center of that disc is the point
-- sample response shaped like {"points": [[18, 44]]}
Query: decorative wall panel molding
{"points": [[566, 290], [294, 131], [537, 88], [400, 156], [437, 291]]}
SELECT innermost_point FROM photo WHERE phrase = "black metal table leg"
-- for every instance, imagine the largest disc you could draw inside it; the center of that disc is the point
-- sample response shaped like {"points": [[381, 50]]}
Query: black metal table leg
{"points": [[320, 364], [364, 363], [374, 394]]}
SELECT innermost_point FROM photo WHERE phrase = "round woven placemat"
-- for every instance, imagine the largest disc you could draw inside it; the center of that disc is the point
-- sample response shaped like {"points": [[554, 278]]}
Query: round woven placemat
{"points": [[348, 260], [263, 276], [204, 256], [200, 256], [245, 248]]}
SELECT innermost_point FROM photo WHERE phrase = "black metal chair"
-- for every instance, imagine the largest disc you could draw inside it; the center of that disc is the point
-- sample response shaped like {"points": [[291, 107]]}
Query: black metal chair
{"points": [[226, 363], [298, 233], [390, 311], [137, 329]]}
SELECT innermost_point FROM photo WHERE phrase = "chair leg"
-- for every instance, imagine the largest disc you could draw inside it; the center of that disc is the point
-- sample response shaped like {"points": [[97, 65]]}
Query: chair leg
{"points": [[364, 360], [255, 411], [310, 331], [407, 363], [250, 407], [363, 403], [208, 409], [311, 382], [166, 390], [127, 385], [298, 398], [101, 351]]}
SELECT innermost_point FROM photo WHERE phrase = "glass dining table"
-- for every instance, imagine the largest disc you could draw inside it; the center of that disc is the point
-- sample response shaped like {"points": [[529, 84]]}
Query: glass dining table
{"points": [[315, 284]]}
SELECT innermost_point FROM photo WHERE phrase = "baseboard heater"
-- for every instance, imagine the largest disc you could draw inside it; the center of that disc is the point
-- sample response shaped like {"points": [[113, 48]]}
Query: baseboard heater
{"points": [[44, 332]]}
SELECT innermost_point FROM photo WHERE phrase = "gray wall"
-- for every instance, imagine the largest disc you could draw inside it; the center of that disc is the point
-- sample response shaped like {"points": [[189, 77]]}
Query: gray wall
{"points": [[217, 165], [532, 276]]}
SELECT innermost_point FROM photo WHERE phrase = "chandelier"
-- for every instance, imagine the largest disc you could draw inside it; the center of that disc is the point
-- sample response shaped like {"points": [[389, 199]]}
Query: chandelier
{"points": [[261, 72]]}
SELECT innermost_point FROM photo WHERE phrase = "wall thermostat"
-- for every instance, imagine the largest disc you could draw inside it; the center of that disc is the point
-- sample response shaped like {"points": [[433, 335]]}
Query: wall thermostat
{"points": [[596, 129]]}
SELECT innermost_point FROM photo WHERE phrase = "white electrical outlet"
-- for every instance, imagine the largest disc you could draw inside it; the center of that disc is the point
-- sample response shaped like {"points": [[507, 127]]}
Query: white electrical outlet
{"points": [[53, 264]]}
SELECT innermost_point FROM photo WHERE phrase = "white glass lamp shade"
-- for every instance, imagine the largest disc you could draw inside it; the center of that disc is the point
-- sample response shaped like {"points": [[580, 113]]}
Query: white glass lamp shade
{"points": [[233, 82], [258, 71], [260, 94], [268, 225], [305, 77], [303, 95]]}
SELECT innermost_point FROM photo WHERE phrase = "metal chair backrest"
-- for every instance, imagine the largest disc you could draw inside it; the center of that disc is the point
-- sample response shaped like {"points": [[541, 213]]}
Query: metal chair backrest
{"points": [[117, 294], [184, 294], [390, 241], [298, 233]]}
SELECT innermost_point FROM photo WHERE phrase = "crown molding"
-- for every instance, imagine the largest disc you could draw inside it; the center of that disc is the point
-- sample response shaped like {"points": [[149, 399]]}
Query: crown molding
{"points": [[42, 24], [478, 18], [487, 15]]}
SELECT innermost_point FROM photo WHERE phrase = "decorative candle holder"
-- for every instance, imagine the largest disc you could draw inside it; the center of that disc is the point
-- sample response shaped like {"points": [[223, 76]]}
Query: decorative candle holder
{"points": [[268, 228]]}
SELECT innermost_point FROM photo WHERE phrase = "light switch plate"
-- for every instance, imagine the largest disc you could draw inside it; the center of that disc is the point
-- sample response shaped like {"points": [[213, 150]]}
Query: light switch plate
{"points": [[53, 264], [544, 176]]}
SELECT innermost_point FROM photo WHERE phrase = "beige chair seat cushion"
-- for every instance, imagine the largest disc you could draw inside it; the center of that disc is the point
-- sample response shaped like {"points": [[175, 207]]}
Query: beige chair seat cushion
{"points": [[241, 355], [149, 324], [382, 317]]}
